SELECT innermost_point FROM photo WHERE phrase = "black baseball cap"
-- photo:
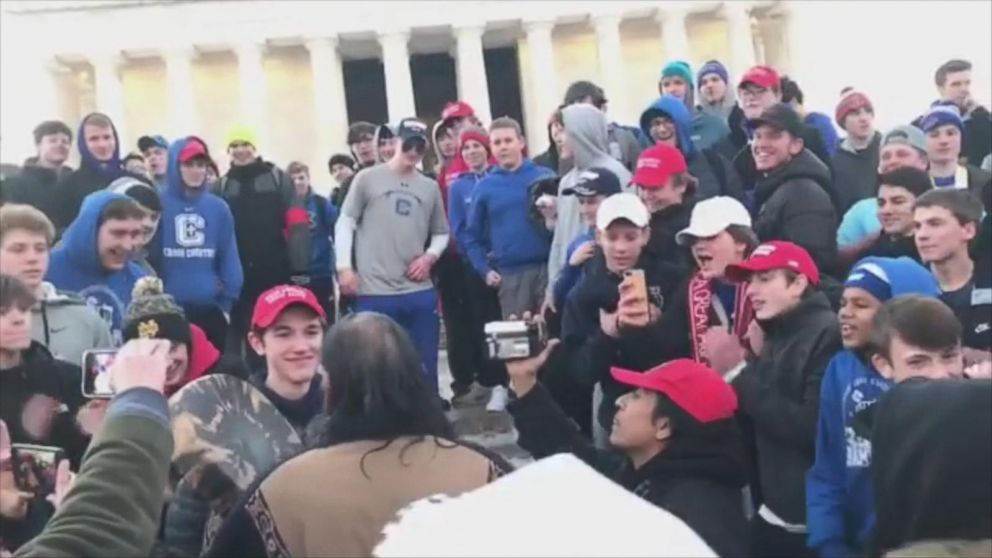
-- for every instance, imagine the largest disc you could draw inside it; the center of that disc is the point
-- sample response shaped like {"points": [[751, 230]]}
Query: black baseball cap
{"points": [[147, 142], [781, 117], [413, 134], [596, 181]]}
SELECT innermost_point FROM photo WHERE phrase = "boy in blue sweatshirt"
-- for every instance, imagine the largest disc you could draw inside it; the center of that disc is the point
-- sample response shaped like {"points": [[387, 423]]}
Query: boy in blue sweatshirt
{"points": [[839, 504], [499, 223], [200, 266], [323, 215], [96, 258], [594, 186]]}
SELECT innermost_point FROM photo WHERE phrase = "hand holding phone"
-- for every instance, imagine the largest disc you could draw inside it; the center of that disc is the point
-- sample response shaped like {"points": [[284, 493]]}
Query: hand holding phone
{"points": [[36, 468], [96, 373], [633, 310]]}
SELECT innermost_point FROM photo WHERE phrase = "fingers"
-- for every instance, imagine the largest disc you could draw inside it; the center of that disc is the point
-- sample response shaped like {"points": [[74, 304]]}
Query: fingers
{"points": [[4, 441]]}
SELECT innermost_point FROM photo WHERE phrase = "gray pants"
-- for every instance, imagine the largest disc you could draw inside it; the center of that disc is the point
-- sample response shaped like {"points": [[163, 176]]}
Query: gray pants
{"points": [[523, 291]]}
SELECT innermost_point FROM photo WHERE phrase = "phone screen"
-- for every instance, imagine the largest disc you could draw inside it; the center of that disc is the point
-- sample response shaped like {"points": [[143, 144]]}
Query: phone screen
{"points": [[638, 288], [35, 467], [96, 373]]}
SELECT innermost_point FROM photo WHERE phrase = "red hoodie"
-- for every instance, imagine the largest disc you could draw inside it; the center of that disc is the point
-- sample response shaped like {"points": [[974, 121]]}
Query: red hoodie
{"points": [[202, 357]]}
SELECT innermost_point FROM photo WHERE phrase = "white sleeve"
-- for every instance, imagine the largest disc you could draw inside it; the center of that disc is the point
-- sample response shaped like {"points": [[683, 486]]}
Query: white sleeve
{"points": [[438, 243], [344, 239]]}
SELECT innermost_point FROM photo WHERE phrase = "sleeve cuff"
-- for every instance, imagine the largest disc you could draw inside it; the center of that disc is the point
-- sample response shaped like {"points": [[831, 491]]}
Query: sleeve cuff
{"points": [[732, 374], [140, 401]]}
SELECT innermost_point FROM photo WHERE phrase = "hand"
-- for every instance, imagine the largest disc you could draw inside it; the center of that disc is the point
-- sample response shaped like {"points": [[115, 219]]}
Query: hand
{"points": [[723, 349], [634, 310], [975, 356], [38, 415], [493, 279], [979, 371], [13, 502], [755, 337], [582, 254], [420, 268], [523, 372], [548, 306], [140, 363], [91, 415], [348, 282], [64, 478], [609, 323]]}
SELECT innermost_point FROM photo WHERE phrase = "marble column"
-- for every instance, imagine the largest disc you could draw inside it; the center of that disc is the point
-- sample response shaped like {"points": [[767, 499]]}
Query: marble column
{"points": [[110, 92], [739, 36], [330, 105], [183, 120], [611, 66], [473, 85], [399, 82], [252, 89]]}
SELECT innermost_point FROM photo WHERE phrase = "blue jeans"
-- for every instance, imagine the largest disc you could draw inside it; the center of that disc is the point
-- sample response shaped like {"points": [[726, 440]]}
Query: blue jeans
{"points": [[417, 314]]}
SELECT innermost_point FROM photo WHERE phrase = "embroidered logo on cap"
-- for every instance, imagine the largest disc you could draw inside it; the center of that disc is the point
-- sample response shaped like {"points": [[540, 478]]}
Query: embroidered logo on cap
{"points": [[148, 329]]}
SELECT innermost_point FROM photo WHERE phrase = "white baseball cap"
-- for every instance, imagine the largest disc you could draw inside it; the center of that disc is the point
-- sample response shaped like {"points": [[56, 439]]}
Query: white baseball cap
{"points": [[622, 206], [712, 216]]}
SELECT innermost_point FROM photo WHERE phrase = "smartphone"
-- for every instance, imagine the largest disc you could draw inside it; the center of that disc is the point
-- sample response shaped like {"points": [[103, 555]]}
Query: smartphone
{"points": [[35, 467], [96, 373], [637, 288]]}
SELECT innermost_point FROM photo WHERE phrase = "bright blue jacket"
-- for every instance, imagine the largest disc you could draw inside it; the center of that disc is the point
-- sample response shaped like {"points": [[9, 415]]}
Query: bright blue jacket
{"points": [[75, 265], [675, 109], [571, 274], [840, 512], [200, 264], [825, 125], [499, 220], [323, 215], [459, 201]]}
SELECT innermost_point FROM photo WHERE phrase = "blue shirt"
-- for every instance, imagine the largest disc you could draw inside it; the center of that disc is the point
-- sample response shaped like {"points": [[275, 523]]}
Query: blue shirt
{"points": [[860, 222]]}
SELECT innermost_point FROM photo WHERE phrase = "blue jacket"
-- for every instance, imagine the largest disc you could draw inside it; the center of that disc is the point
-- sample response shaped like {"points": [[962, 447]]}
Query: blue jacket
{"points": [[200, 264], [323, 215], [675, 109], [499, 220], [825, 125], [75, 265], [570, 275], [839, 506], [459, 201]]}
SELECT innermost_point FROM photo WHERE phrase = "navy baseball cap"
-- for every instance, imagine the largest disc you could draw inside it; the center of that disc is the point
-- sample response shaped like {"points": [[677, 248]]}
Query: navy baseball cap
{"points": [[147, 142], [596, 181]]}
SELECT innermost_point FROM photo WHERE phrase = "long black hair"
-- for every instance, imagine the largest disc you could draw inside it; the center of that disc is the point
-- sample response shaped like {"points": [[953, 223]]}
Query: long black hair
{"points": [[377, 389]]}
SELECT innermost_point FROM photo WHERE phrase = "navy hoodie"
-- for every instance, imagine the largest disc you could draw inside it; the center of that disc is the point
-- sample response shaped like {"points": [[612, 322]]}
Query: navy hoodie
{"points": [[498, 220], [323, 215], [92, 175], [839, 504], [75, 265], [200, 264]]}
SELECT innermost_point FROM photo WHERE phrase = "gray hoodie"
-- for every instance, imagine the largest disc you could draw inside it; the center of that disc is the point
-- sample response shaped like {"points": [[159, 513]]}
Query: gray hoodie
{"points": [[586, 127], [67, 326]]}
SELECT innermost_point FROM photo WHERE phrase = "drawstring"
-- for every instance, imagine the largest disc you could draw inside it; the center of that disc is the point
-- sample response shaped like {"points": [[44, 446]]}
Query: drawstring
{"points": [[44, 319]]}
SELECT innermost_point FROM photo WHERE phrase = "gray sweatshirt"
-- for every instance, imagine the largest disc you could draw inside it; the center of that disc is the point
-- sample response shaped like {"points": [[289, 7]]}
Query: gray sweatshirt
{"points": [[586, 127], [67, 326]]}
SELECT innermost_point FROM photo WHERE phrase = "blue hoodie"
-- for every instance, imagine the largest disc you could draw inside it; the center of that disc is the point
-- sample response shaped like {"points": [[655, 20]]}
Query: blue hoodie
{"points": [[460, 194], [839, 502], [200, 264], [323, 215], [825, 125], [674, 108], [110, 170], [75, 265], [499, 220]]}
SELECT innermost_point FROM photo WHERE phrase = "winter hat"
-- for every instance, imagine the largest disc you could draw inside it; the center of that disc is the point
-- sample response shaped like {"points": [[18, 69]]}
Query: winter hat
{"points": [[474, 133], [153, 314], [849, 102], [940, 115], [885, 278], [678, 68], [712, 67], [138, 190], [360, 131], [241, 134]]}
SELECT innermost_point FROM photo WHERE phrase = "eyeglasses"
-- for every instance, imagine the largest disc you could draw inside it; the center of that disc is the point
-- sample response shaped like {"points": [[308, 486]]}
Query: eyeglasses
{"points": [[751, 92]]}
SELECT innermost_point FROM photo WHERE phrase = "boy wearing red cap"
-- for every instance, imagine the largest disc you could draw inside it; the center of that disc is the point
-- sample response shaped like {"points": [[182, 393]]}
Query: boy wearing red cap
{"points": [[779, 384], [855, 163], [674, 442], [667, 189]]}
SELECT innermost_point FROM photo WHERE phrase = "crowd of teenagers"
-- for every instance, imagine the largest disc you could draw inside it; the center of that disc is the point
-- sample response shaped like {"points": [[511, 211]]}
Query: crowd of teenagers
{"points": [[777, 333]]}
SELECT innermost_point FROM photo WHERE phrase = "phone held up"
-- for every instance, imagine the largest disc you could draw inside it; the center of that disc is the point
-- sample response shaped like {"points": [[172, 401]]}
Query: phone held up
{"points": [[35, 467], [96, 373], [637, 288]]}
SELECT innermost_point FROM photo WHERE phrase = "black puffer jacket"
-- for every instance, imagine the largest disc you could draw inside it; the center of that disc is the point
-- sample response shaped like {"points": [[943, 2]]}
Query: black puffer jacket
{"points": [[662, 249], [698, 480], [856, 172], [780, 392], [793, 204], [36, 186]]}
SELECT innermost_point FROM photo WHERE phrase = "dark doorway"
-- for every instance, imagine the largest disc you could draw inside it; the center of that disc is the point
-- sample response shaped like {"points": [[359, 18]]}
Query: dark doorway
{"points": [[365, 90], [433, 83], [503, 75]]}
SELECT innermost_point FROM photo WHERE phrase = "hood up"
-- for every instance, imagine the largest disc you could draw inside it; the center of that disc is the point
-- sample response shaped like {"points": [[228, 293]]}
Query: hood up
{"points": [[79, 241], [672, 106], [174, 179], [587, 134], [111, 169]]}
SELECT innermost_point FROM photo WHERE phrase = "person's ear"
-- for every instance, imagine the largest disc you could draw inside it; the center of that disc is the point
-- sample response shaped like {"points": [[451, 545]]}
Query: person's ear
{"points": [[796, 146], [662, 429], [970, 231], [256, 343], [883, 366]]}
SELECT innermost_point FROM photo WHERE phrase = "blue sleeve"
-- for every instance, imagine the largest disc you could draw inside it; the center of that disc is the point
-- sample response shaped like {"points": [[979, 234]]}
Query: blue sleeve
{"points": [[475, 241], [231, 275], [456, 216], [826, 479], [332, 221], [569, 275]]}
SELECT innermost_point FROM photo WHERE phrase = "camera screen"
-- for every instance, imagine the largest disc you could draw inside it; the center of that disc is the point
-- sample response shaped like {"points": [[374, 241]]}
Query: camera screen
{"points": [[34, 468], [96, 373]]}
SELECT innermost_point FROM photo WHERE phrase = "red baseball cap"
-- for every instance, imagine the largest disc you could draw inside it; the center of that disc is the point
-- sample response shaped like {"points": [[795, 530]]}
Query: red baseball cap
{"points": [[657, 164], [696, 388], [457, 109], [762, 76], [272, 302], [194, 148], [776, 254]]}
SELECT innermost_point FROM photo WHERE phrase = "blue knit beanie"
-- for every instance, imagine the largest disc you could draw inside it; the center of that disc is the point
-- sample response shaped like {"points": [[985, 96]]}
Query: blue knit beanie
{"points": [[886, 278], [940, 115], [678, 68], [713, 67]]}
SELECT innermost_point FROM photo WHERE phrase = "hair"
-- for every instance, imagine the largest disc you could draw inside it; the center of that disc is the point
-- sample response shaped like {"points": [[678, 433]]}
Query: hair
{"points": [[121, 209], [15, 216], [133, 156], [950, 67], [690, 182], [297, 167], [13, 292], [377, 389], [580, 90], [961, 203], [917, 320], [505, 122], [744, 235], [692, 438], [50, 128], [791, 91], [914, 180], [358, 130], [99, 120], [340, 159], [212, 165]]}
